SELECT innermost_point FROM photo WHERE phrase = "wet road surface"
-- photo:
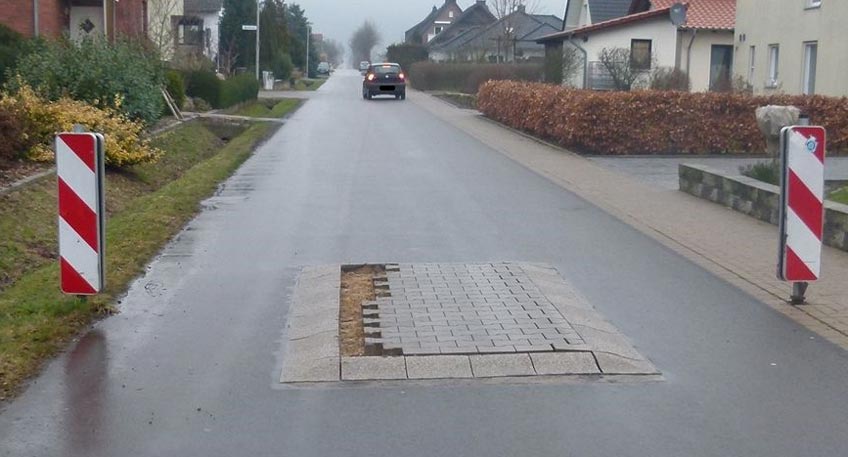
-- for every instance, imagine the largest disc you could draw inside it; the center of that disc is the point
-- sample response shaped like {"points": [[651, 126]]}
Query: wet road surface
{"points": [[190, 367]]}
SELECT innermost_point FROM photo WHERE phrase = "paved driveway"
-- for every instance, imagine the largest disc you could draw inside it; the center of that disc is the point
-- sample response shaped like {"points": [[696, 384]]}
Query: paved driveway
{"points": [[662, 171]]}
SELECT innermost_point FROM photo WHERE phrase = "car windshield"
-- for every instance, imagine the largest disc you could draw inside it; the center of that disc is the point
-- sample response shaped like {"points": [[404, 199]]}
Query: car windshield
{"points": [[386, 69]]}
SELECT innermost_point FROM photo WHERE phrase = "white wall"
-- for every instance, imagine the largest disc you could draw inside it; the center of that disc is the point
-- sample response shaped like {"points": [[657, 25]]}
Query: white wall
{"points": [[160, 27], [660, 31], [790, 26], [210, 21], [699, 73]]}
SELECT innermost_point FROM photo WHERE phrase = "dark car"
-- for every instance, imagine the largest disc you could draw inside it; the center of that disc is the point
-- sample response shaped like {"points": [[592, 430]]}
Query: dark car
{"points": [[384, 79]]}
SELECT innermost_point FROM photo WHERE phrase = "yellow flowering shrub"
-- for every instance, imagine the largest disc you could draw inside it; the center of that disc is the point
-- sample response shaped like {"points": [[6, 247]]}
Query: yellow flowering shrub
{"points": [[43, 119]]}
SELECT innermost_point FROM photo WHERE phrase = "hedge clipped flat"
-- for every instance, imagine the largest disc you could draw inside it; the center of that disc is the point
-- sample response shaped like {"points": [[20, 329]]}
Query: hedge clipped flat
{"points": [[649, 122]]}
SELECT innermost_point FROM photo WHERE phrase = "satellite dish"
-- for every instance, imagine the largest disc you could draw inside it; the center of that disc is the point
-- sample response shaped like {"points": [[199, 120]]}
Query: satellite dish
{"points": [[678, 14]]}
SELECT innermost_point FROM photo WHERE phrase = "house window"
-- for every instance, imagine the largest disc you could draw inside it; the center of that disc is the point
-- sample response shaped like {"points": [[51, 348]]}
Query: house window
{"points": [[814, 3], [438, 29], [752, 59], [190, 31], [721, 61], [773, 63], [640, 54], [811, 51], [450, 14]]}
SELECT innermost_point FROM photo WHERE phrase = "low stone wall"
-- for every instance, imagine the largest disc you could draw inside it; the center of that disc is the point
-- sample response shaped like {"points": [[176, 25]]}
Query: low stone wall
{"points": [[757, 199]]}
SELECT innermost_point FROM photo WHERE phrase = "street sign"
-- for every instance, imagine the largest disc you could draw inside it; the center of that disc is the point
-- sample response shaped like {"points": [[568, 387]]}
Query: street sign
{"points": [[248, 27], [802, 207], [80, 171]]}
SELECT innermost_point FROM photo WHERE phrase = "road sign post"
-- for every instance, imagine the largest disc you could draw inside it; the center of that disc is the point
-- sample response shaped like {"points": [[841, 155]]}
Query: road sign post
{"points": [[80, 172], [802, 206]]}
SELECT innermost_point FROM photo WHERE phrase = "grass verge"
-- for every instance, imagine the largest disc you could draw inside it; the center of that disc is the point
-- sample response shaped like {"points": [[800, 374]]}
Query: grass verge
{"points": [[460, 100], [36, 320], [308, 84], [839, 196], [28, 216], [272, 108]]}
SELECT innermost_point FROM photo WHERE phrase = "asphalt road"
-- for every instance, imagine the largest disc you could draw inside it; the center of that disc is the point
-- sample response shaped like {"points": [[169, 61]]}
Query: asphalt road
{"points": [[191, 365]]}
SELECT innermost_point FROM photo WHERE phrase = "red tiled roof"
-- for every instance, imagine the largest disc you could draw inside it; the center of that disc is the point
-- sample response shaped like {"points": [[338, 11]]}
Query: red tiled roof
{"points": [[605, 25], [705, 14], [702, 14]]}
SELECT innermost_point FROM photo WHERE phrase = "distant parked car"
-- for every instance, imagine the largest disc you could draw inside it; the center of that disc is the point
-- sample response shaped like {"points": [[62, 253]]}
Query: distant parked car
{"points": [[384, 79], [324, 68], [363, 66]]}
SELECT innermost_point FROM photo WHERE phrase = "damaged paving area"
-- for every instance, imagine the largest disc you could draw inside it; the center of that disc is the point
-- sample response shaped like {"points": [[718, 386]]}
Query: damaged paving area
{"points": [[449, 321]]}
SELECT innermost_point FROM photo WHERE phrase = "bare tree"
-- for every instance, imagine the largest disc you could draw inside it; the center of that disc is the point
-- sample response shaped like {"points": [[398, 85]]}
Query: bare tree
{"points": [[572, 62], [335, 51], [621, 67], [668, 78], [363, 41], [161, 28], [503, 10], [228, 58]]}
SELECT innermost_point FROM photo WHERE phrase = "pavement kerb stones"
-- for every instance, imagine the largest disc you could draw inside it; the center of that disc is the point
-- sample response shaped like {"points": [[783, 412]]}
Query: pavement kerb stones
{"points": [[594, 347]]}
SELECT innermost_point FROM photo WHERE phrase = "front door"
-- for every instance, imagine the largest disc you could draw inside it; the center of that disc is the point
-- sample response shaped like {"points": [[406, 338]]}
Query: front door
{"points": [[86, 21], [721, 62]]}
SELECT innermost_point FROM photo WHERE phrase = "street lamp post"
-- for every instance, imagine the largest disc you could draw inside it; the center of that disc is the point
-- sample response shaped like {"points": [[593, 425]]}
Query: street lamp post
{"points": [[256, 28], [257, 40], [308, 33]]}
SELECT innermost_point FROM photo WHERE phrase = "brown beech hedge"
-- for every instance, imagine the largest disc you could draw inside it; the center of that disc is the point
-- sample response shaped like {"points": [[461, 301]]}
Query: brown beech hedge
{"points": [[650, 122]]}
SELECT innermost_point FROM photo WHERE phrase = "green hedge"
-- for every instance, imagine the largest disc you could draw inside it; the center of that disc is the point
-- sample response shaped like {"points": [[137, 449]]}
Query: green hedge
{"points": [[468, 77], [222, 94], [206, 85], [175, 84], [239, 89], [123, 75], [13, 46], [11, 134]]}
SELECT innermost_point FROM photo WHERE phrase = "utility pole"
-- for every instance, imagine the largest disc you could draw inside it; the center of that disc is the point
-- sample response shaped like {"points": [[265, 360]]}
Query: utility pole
{"points": [[308, 33], [257, 40]]}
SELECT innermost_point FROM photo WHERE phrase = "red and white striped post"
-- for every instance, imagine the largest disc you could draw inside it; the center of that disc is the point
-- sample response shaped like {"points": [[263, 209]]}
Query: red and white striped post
{"points": [[80, 170], [802, 206]]}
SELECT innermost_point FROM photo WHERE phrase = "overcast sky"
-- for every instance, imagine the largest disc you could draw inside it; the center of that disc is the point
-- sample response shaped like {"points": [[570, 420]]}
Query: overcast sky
{"points": [[337, 19]]}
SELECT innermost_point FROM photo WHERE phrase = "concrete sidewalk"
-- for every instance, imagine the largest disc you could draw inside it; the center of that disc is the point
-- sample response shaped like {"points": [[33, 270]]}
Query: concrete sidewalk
{"points": [[735, 247]]}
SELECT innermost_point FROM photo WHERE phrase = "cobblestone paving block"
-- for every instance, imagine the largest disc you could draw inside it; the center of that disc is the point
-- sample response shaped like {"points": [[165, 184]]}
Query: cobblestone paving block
{"points": [[438, 367], [498, 365], [483, 300], [564, 363], [373, 368]]}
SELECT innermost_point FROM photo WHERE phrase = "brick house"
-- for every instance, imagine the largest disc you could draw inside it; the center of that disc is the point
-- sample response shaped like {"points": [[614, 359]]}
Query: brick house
{"points": [[77, 18]]}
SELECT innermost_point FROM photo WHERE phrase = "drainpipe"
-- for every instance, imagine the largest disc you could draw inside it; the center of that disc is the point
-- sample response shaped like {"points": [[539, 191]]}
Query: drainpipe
{"points": [[689, 53], [35, 18], [585, 62]]}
